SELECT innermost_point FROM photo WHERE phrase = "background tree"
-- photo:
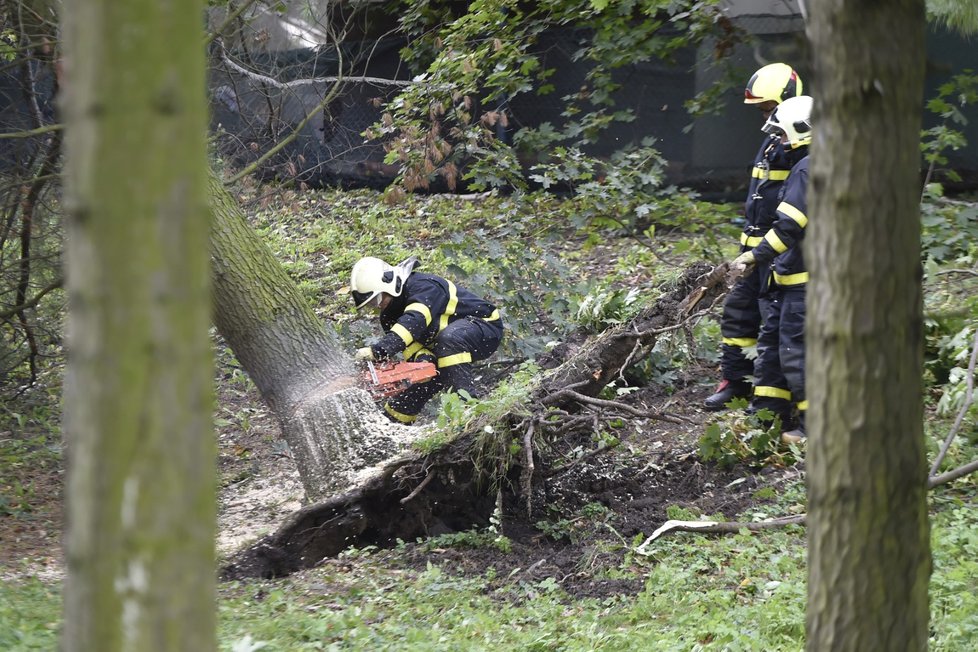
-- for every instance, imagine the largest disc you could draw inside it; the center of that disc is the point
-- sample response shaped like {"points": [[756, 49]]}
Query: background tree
{"points": [[869, 559], [30, 222], [138, 393]]}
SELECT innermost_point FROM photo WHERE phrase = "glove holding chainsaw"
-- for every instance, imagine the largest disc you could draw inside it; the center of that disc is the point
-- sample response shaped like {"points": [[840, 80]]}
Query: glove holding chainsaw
{"points": [[366, 353], [740, 267]]}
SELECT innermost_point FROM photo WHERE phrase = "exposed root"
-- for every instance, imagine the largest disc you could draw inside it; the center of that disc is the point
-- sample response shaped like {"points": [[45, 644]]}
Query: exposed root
{"points": [[419, 488]]}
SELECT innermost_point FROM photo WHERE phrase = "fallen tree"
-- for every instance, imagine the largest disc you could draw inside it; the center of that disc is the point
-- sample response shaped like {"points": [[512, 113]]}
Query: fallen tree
{"points": [[459, 485]]}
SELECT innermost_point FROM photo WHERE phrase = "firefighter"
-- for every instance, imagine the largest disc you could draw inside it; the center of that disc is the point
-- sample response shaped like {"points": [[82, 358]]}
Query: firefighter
{"points": [[780, 365], [741, 319], [427, 319]]}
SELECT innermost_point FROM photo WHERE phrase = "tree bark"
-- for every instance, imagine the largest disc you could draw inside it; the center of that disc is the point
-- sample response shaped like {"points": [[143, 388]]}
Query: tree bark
{"points": [[300, 367], [138, 390], [869, 559]]}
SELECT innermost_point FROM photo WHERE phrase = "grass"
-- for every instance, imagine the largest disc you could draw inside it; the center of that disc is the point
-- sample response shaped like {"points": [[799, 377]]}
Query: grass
{"points": [[739, 592]]}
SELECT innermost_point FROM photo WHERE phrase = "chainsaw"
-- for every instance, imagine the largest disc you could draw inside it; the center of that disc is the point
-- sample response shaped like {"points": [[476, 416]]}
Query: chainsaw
{"points": [[386, 379]]}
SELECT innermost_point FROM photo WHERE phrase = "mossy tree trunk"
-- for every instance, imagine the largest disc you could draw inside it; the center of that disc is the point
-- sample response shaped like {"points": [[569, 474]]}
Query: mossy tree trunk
{"points": [[302, 370], [869, 559], [138, 390]]}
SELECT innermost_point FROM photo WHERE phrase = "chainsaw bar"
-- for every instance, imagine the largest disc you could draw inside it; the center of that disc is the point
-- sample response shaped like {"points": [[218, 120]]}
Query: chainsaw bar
{"points": [[391, 378]]}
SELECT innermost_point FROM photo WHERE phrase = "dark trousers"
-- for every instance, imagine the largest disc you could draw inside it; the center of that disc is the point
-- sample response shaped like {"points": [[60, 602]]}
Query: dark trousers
{"points": [[739, 326], [780, 364], [453, 351]]}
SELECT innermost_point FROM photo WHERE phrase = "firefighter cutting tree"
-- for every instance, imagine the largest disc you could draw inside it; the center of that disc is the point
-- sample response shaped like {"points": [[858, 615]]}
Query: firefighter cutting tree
{"points": [[427, 319]]}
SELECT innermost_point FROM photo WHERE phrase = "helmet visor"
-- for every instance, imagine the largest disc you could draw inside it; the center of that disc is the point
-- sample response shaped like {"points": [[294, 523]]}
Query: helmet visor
{"points": [[772, 128], [361, 299]]}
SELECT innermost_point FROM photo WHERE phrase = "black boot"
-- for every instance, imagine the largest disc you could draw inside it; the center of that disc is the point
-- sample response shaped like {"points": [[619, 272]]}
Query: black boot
{"points": [[727, 391], [796, 435]]}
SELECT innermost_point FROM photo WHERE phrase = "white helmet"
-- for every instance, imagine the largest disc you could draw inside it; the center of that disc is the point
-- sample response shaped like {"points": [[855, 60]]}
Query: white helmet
{"points": [[371, 276], [793, 118]]}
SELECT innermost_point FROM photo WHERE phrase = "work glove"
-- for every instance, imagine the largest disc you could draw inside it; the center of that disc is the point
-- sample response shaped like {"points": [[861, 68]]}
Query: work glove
{"points": [[366, 353], [740, 267]]}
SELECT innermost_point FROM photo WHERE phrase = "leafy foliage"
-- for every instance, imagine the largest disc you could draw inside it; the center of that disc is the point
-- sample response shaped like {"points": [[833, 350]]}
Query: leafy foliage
{"points": [[752, 438], [522, 252], [949, 230], [953, 99], [607, 307], [959, 16], [625, 195], [29, 457], [953, 597], [582, 525], [951, 312], [470, 65]]}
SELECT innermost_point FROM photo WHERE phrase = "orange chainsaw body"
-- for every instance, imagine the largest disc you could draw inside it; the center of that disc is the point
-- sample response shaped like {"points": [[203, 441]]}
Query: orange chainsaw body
{"points": [[385, 379]]}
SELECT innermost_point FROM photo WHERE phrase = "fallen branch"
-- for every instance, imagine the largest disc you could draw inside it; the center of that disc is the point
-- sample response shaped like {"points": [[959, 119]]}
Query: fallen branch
{"points": [[968, 399], [954, 474], [616, 405], [526, 476], [719, 527]]}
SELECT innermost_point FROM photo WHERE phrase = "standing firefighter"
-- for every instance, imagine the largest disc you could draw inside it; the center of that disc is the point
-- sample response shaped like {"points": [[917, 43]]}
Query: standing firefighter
{"points": [[428, 319], [741, 320], [781, 345]]}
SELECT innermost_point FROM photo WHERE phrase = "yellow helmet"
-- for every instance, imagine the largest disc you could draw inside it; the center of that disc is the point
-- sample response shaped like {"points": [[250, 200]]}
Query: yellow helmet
{"points": [[774, 82], [793, 118]]}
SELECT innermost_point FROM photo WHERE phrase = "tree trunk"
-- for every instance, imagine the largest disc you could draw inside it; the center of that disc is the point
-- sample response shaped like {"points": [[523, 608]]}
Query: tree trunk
{"points": [[868, 533], [138, 390], [300, 367]]}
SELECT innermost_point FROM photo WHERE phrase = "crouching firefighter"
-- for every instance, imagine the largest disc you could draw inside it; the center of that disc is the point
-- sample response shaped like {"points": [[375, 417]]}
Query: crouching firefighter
{"points": [[428, 319]]}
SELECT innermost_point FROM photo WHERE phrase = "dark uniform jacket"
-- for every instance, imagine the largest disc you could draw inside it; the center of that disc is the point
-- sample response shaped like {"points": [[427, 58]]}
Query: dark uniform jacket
{"points": [[426, 305], [782, 243], [772, 166]]}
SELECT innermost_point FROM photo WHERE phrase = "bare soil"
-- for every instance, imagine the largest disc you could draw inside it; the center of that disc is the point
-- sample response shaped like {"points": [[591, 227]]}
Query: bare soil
{"points": [[583, 520]]}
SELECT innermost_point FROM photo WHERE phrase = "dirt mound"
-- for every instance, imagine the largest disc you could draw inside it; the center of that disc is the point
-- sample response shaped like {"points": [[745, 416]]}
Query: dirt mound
{"points": [[584, 520]]}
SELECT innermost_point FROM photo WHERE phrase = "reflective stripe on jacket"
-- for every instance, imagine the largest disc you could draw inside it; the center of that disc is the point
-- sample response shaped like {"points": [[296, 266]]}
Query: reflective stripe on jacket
{"points": [[772, 165], [782, 243], [427, 304]]}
